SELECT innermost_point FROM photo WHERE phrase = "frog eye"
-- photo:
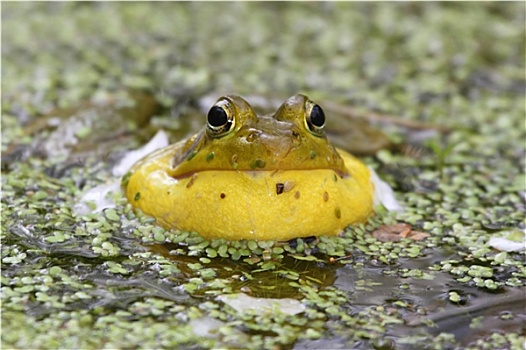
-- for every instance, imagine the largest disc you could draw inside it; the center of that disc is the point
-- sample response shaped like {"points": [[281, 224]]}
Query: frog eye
{"points": [[220, 119], [314, 118]]}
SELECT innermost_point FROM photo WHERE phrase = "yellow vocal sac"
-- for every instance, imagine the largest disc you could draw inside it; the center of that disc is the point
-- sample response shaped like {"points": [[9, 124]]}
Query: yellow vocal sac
{"points": [[274, 177]]}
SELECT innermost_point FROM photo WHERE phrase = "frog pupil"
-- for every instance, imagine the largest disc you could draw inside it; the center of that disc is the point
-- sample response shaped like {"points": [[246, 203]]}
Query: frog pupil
{"points": [[317, 117], [217, 117]]}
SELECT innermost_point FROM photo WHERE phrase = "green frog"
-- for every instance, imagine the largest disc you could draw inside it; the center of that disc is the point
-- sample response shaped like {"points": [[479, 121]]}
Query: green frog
{"points": [[243, 176]]}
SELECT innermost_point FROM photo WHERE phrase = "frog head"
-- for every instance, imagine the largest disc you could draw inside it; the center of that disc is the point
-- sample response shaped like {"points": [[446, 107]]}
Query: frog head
{"points": [[236, 139]]}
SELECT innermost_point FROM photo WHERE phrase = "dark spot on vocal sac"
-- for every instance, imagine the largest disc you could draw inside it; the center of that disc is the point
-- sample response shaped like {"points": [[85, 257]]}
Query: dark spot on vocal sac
{"points": [[279, 188], [338, 213], [297, 195], [325, 196], [222, 195]]}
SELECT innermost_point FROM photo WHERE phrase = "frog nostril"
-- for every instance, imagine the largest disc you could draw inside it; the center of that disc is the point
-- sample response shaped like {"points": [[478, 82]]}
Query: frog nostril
{"points": [[252, 136]]}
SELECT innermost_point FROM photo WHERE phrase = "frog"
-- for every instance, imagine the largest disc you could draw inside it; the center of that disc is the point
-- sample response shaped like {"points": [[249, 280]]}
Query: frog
{"points": [[248, 177]]}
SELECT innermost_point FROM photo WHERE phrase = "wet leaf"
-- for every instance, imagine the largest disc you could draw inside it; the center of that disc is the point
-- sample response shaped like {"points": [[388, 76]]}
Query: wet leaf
{"points": [[396, 232]]}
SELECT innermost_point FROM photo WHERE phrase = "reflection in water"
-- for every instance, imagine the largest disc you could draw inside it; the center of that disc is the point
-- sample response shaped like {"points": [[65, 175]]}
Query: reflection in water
{"points": [[256, 282], [423, 302]]}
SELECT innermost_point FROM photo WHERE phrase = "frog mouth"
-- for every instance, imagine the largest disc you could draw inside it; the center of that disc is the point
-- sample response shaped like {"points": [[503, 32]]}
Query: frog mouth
{"points": [[259, 171], [272, 160]]}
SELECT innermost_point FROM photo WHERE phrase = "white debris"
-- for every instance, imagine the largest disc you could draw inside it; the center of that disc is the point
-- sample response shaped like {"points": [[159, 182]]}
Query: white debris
{"points": [[160, 140], [242, 302], [384, 194], [206, 327], [506, 245], [100, 197], [66, 135]]}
